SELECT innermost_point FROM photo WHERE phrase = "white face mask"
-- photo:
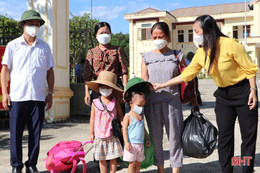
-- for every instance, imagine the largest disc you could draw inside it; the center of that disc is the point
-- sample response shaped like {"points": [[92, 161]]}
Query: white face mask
{"points": [[32, 30], [105, 92], [138, 110], [159, 44], [198, 39], [104, 38]]}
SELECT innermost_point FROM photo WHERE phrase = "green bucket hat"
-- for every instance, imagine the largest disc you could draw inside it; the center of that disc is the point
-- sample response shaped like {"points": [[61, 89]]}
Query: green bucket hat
{"points": [[137, 84], [31, 15]]}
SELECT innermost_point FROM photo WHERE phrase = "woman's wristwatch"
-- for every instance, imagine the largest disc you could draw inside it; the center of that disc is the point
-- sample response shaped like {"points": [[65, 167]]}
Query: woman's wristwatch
{"points": [[50, 92]]}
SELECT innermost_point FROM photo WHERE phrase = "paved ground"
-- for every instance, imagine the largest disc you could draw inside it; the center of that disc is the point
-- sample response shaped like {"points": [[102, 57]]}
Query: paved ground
{"points": [[77, 128]]}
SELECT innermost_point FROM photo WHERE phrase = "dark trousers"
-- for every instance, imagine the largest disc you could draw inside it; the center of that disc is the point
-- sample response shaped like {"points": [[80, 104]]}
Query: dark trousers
{"points": [[32, 114], [232, 102]]}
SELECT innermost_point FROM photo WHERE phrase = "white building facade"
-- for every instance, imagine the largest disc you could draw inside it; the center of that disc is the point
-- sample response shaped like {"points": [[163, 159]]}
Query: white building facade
{"points": [[230, 18]]}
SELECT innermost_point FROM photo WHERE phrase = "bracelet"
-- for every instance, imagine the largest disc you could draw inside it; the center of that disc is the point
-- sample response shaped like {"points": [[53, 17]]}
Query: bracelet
{"points": [[252, 89], [50, 92]]}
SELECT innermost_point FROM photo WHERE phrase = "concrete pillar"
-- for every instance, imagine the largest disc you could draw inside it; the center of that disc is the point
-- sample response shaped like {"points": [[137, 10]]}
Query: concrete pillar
{"points": [[256, 31], [256, 12], [131, 50], [55, 32]]}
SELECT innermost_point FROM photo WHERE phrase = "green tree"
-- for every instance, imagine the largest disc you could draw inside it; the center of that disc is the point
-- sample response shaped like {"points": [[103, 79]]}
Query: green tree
{"points": [[9, 29], [81, 39], [121, 40]]}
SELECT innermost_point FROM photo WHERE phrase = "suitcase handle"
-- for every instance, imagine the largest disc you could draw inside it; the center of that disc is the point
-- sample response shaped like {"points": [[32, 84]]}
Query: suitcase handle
{"points": [[80, 149]]}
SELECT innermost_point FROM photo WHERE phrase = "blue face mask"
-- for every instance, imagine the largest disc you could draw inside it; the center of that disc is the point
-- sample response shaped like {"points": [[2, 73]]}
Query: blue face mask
{"points": [[138, 110]]}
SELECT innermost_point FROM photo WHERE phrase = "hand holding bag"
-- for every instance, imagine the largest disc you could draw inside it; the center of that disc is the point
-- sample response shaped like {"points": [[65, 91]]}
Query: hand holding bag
{"points": [[116, 124], [187, 90]]}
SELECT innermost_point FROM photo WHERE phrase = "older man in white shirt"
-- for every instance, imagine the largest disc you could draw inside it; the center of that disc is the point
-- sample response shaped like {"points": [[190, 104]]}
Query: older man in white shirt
{"points": [[29, 63]]}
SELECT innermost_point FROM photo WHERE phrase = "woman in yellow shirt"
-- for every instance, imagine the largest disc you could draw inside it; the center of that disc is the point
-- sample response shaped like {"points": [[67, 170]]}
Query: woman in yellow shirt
{"points": [[234, 73]]}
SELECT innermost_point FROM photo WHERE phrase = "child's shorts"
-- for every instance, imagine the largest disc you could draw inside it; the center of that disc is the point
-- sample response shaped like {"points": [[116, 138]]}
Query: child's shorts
{"points": [[136, 153]]}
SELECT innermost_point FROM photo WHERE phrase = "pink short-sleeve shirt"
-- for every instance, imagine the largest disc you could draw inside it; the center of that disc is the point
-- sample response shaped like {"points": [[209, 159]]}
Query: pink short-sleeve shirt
{"points": [[103, 122]]}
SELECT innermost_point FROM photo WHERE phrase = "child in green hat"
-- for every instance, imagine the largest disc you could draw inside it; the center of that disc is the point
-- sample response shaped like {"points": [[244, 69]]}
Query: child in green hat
{"points": [[133, 124]]}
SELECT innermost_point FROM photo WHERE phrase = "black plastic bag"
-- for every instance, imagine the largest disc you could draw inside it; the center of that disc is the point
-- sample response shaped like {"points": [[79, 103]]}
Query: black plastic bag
{"points": [[199, 136]]}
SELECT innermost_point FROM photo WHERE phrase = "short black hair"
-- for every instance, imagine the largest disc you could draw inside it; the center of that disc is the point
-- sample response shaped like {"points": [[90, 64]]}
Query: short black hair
{"points": [[190, 55], [100, 25], [102, 85]]}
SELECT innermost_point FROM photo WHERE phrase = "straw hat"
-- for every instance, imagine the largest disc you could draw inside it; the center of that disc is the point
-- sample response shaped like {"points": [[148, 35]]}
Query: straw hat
{"points": [[105, 78]]}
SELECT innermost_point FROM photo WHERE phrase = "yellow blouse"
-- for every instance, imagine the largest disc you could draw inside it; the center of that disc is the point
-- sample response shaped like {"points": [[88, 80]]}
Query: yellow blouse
{"points": [[231, 65]]}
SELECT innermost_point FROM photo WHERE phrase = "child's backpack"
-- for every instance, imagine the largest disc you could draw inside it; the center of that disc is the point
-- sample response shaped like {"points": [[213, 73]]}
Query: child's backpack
{"points": [[65, 156]]}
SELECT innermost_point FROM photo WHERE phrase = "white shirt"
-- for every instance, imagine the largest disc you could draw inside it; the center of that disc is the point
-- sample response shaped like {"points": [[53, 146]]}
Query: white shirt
{"points": [[28, 69]]}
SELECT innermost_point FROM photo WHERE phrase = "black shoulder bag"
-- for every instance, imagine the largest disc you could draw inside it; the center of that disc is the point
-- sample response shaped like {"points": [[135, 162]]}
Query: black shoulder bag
{"points": [[116, 124]]}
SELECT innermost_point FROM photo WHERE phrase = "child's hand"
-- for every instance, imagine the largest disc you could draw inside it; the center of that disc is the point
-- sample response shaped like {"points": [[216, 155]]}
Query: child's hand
{"points": [[127, 146], [148, 143], [92, 137]]}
